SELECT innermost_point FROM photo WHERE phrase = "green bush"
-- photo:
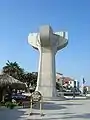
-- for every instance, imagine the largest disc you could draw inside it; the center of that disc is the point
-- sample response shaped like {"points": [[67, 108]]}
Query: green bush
{"points": [[2, 103], [10, 105]]}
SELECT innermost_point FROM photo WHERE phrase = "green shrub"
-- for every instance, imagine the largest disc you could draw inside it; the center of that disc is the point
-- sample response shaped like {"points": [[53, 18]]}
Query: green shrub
{"points": [[7, 104], [10, 105], [2, 103]]}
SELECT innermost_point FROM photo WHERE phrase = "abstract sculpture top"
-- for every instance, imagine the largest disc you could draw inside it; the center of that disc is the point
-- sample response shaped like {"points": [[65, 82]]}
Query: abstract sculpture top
{"points": [[47, 38]]}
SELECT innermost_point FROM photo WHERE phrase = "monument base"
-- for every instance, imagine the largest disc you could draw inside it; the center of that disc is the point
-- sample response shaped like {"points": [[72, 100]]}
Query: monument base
{"points": [[47, 91], [50, 93]]}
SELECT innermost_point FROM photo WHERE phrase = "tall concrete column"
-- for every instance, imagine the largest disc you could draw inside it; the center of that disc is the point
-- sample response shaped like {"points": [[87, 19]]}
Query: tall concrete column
{"points": [[48, 43]]}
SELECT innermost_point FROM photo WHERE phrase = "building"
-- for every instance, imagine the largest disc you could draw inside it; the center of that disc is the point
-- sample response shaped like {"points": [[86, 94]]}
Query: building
{"points": [[59, 78], [77, 84], [66, 81]]}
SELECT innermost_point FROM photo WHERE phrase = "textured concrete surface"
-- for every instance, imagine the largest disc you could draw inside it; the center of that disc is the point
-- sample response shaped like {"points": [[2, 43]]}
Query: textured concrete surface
{"points": [[54, 110], [48, 43]]}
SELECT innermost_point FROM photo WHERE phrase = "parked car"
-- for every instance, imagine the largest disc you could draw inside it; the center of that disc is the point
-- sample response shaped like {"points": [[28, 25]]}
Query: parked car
{"points": [[17, 97]]}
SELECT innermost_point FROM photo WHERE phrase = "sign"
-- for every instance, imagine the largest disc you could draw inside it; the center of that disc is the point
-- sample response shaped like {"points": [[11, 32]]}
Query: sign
{"points": [[36, 96]]}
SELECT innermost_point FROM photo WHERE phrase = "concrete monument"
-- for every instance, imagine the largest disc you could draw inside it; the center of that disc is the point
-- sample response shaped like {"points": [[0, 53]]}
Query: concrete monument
{"points": [[48, 43]]}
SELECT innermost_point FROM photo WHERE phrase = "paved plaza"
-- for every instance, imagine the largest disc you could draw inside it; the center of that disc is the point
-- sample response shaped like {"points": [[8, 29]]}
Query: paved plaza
{"points": [[53, 110]]}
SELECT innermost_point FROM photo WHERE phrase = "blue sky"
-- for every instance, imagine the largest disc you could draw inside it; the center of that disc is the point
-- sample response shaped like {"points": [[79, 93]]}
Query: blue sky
{"points": [[20, 17]]}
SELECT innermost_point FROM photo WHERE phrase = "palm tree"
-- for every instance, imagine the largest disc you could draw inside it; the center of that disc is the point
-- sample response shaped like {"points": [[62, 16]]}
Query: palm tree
{"points": [[14, 70]]}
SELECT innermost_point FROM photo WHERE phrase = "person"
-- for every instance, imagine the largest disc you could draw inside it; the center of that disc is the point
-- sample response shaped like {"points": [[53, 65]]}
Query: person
{"points": [[84, 90], [73, 92]]}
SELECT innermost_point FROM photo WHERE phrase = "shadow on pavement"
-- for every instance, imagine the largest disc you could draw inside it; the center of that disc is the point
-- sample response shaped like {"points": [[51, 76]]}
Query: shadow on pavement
{"points": [[83, 116], [70, 117], [50, 106], [60, 113], [68, 104], [11, 114]]}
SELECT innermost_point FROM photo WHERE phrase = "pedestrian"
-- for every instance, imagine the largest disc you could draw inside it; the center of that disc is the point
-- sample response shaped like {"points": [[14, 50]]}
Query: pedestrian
{"points": [[73, 92], [84, 90]]}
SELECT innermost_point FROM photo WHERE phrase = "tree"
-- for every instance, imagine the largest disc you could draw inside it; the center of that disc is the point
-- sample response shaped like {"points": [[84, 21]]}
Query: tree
{"points": [[59, 86], [34, 78], [14, 70], [30, 78]]}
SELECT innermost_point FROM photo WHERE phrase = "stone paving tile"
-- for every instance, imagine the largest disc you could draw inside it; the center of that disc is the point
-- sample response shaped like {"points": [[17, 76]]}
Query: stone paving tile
{"points": [[53, 110]]}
